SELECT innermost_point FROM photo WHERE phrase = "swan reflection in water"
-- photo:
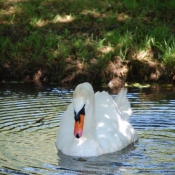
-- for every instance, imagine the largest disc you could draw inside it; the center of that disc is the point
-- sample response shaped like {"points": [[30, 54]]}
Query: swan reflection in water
{"points": [[106, 163]]}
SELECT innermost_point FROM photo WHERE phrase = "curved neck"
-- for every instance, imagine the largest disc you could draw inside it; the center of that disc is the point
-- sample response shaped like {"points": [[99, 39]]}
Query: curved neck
{"points": [[84, 95], [90, 121]]}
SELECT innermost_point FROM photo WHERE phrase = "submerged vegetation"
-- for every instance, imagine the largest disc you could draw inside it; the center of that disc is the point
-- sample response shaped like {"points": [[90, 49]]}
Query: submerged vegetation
{"points": [[97, 41]]}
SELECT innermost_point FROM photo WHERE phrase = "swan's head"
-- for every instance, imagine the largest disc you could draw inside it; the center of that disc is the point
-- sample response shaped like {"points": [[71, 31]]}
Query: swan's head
{"points": [[81, 100]]}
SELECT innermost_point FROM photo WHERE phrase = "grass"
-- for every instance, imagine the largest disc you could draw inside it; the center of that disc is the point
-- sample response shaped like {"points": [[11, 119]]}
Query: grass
{"points": [[80, 40]]}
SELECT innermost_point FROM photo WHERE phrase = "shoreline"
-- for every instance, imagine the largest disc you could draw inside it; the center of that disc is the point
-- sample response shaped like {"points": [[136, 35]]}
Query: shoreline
{"points": [[100, 42]]}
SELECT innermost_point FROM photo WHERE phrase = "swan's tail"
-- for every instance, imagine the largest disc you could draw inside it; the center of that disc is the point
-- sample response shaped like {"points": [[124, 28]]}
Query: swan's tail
{"points": [[123, 103]]}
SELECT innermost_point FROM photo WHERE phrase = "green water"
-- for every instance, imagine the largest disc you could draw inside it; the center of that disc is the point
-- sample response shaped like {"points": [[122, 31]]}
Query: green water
{"points": [[29, 122]]}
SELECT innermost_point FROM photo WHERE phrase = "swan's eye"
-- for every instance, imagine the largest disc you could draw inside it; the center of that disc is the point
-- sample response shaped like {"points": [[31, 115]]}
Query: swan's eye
{"points": [[77, 115]]}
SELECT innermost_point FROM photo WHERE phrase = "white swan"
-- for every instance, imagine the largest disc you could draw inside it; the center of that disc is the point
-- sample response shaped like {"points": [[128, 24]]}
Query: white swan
{"points": [[95, 124]]}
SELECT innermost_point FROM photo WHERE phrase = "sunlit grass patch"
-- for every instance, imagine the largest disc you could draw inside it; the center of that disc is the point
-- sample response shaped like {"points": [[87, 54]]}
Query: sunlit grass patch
{"points": [[168, 56], [38, 22], [63, 19]]}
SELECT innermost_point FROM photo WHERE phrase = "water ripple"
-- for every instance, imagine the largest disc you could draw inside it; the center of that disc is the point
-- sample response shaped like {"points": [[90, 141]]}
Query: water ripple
{"points": [[30, 118]]}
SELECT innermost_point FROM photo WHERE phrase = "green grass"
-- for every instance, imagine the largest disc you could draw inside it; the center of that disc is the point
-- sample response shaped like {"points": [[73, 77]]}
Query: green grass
{"points": [[81, 38]]}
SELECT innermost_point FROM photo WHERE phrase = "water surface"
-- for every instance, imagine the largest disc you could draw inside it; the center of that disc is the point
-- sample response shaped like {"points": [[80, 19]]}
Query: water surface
{"points": [[29, 121]]}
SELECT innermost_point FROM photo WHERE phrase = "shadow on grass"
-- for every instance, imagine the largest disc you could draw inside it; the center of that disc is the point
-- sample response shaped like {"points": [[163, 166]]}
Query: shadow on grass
{"points": [[101, 42]]}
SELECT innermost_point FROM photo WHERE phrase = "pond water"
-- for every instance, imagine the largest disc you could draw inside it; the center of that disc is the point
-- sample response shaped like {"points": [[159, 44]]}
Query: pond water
{"points": [[29, 121]]}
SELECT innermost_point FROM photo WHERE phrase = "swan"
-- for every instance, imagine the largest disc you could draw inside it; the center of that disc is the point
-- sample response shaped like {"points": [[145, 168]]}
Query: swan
{"points": [[95, 124]]}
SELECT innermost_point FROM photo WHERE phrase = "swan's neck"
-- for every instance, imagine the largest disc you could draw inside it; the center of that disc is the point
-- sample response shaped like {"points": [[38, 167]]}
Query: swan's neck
{"points": [[90, 121], [84, 96]]}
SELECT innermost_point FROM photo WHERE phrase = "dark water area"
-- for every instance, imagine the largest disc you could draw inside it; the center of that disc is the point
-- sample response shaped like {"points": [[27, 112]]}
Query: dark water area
{"points": [[29, 121]]}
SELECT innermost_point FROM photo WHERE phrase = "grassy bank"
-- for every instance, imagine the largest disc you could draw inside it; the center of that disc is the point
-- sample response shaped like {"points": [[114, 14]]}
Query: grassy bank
{"points": [[97, 41]]}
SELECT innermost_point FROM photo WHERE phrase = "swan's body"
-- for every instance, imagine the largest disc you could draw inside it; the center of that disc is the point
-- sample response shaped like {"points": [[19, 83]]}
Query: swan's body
{"points": [[106, 128]]}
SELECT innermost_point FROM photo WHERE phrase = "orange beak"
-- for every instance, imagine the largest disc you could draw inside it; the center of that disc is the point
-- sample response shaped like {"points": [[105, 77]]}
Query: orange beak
{"points": [[78, 128]]}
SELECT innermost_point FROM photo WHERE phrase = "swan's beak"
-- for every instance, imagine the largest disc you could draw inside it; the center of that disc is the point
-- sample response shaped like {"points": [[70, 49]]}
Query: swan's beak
{"points": [[78, 128]]}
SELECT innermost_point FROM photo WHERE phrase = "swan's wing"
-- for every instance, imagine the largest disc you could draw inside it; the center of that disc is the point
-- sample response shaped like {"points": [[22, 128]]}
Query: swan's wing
{"points": [[114, 132], [123, 103]]}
